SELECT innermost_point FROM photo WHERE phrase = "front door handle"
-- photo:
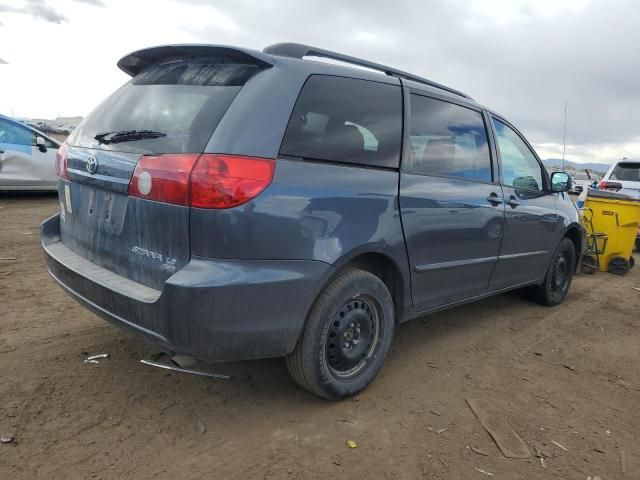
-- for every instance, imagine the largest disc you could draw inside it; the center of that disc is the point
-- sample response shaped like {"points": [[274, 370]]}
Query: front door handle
{"points": [[513, 201], [494, 199]]}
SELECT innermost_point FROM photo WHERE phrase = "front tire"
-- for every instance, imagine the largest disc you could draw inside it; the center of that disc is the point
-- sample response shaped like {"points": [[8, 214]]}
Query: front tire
{"points": [[557, 281], [346, 337]]}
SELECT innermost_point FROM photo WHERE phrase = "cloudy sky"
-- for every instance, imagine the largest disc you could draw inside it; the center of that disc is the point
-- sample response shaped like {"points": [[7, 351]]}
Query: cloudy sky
{"points": [[521, 58]]}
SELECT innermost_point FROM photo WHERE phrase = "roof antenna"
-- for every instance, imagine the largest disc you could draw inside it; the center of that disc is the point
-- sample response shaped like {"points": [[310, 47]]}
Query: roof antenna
{"points": [[564, 139]]}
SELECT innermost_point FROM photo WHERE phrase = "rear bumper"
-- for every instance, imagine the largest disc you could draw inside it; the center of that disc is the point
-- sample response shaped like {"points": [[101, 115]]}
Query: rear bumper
{"points": [[211, 309]]}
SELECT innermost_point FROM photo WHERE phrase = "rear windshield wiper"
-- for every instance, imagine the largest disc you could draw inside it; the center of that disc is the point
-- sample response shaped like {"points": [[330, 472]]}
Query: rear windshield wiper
{"points": [[127, 136]]}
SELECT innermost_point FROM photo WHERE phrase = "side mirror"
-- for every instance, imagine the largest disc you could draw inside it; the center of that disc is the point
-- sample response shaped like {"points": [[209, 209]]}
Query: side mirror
{"points": [[41, 144], [561, 182]]}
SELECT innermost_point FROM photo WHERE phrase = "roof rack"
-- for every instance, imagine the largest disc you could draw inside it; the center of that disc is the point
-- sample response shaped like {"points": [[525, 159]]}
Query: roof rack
{"points": [[298, 50]]}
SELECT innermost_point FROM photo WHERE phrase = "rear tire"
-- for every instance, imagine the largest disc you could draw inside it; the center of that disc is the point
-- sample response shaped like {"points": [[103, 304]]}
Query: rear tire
{"points": [[346, 337], [558, 279]]}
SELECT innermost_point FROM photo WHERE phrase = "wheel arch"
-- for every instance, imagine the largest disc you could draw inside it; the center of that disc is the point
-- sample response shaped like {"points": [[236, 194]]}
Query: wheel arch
{"points": [[575, 233], [383, 266]]}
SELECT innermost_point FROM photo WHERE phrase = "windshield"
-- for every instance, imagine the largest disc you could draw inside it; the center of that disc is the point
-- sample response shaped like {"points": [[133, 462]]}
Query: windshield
{"points": [[180, 103]]}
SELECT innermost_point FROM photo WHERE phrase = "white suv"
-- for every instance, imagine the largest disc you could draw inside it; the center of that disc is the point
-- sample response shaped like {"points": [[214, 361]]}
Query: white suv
{"points": [[623, 177]]}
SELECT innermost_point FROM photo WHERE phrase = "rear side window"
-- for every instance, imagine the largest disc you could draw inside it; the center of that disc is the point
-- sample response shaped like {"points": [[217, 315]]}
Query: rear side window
{"points": [[448, 140], [346, 120], [181, 102], [626, 172]]}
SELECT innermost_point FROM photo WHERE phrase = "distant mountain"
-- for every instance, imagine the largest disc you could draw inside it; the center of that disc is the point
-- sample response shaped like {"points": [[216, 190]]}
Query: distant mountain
{"points": [[595, 167]]}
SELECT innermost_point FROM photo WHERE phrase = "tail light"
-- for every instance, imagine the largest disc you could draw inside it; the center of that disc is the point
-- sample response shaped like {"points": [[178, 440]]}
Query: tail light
{"points": [[203, 181], [608, 185], [163, 178], [61, 161], [224, 181]]}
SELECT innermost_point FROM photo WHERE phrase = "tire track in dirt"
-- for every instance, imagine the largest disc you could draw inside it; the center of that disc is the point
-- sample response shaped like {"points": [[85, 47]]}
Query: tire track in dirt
{"points": [[260, 425]]}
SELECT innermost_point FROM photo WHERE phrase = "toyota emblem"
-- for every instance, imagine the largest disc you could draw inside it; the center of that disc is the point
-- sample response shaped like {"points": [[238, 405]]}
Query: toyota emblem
{"points": [[92, 164]]}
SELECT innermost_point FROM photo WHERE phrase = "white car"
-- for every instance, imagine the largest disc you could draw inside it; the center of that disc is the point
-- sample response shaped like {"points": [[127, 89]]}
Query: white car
{"points": [[27, 157], [623, 177]]}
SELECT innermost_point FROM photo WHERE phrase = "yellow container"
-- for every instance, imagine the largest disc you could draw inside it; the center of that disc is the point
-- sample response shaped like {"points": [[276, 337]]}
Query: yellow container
{"points": [[617, 216]]}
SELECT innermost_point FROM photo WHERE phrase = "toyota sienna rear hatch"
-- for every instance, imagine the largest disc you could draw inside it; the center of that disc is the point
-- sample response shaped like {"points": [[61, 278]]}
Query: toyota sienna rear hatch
{"points": [[133, 221]]}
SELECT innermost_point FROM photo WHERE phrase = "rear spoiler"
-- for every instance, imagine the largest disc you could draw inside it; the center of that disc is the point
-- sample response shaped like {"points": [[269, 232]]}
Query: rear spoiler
{"points": [[137, 61]]}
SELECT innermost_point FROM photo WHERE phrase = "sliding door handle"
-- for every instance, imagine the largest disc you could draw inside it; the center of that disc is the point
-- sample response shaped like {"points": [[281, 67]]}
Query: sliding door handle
{"points": [[513, 201], [494, 199]]}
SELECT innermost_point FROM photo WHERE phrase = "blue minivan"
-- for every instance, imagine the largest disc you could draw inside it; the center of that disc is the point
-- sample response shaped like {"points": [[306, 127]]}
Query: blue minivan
{"points": [[233, 204]]}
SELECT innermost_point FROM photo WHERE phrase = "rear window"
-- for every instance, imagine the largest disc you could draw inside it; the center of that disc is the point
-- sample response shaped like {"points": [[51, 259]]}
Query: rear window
{"points": [[182, 103], [346, 120], [626, 172]]}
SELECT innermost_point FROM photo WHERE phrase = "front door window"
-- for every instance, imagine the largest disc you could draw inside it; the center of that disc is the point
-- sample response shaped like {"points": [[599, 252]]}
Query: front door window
{"points": [[520, 167]]}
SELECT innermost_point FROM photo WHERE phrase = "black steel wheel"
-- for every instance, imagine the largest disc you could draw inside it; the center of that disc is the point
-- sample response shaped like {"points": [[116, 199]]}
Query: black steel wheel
{"points": [[346, 337], [353, 336], [559, 275]]}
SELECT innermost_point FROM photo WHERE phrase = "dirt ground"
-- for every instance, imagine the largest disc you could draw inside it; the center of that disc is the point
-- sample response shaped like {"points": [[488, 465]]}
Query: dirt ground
{"points": [[569, 374]]}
